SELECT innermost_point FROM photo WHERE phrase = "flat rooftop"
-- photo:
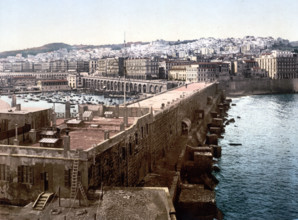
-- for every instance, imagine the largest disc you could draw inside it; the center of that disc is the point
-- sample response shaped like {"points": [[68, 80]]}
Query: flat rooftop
{"points": [[156, 101], [88, 135]]}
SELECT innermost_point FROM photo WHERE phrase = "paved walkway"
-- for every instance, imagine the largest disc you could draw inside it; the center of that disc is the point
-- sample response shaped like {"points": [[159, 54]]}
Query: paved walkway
{"points": [[156, 101]]}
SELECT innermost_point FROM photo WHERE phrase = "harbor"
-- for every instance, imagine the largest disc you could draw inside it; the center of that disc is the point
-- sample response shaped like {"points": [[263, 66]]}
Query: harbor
{"points": [[57, 100]]}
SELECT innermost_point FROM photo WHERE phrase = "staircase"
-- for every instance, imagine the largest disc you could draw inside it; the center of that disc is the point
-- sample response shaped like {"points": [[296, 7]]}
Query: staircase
{"points": [[41, 201]]}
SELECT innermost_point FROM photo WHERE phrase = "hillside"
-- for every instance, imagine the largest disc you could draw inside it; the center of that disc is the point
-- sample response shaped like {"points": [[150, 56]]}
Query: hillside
{"points": [[36, 50]]}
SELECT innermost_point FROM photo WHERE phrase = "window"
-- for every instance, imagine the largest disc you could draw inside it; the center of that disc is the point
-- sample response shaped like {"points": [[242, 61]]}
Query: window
{"points": [[25, 174], [4, 172]]}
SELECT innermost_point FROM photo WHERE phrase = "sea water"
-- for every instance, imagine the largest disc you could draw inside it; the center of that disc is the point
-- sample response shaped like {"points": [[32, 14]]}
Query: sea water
{"points": [[259, 179]]}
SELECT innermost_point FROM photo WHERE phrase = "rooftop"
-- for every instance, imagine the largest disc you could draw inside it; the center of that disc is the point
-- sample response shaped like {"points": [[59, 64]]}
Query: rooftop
{"points": [[90, 134]]}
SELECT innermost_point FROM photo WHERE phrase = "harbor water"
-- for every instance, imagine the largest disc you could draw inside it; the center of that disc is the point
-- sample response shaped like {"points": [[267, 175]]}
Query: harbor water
{"points": [[259, 178], [57, 100]]}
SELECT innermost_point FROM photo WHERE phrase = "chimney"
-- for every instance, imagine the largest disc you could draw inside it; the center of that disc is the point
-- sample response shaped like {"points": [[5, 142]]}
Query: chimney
{"points": [[18, 107], [13, 100], [66, 141], [106, 135], [117, 111], [54, 119], [67, 109], [122, 126]]}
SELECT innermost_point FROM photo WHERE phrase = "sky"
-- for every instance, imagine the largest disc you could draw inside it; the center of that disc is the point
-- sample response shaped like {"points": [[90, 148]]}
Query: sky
{"points": [[33, 23]]}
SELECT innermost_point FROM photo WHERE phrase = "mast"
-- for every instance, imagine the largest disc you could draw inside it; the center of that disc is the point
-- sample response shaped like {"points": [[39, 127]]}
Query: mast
{"points": [[124, 68]]}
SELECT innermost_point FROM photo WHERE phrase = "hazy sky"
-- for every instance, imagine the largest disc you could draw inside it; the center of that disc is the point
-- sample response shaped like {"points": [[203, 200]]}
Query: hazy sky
{"points": [[30, 23]]}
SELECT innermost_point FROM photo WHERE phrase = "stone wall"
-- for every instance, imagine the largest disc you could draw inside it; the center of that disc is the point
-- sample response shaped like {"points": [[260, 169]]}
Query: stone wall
{"points": [[123, 160], [260, 86], [126, 158]]}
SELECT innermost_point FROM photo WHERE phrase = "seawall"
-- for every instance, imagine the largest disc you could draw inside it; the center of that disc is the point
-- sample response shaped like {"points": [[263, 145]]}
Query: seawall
{"points": [[259, 86]]}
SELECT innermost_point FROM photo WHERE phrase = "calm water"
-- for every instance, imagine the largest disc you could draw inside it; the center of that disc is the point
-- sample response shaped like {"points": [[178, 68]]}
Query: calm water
{"points": [[60, 107], [259, 180]]}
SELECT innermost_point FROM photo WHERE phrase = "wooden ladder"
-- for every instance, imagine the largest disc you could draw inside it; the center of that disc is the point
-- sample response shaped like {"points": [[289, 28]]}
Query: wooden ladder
{"points": [[74, 177], [83, 193], [75, 183]]}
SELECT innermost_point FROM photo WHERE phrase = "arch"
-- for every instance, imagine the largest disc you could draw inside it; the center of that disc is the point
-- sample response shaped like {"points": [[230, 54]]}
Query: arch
{"points": [[140, 88], [185, 126], [130, 87], [151, 89], [115, 86], [144, 88], [122, 86], [135, 87], [108, 85], [156, 89], [160, 89]]}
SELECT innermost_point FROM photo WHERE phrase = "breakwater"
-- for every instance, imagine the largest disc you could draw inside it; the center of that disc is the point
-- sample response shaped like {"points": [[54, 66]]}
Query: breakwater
{"points": [[259, 86]]}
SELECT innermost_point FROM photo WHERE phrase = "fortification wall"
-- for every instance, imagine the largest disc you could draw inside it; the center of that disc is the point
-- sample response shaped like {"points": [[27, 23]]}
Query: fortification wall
{"points": [[123, 160], [126, 158], [260, 86]]}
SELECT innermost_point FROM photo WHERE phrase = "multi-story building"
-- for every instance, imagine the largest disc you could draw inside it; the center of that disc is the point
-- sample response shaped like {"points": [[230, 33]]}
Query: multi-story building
{"points": [[72, 66], [28, 67], [93, 66], [58, 66], [171, 63], [82, 66], [178, 73], [207, 71], [72, 81], [7, 67], [278, 64], [53, 85], [37, 67], [45, 67], [141, 68], [17, 67], [23, 80], [111, 67], [192, 73]]}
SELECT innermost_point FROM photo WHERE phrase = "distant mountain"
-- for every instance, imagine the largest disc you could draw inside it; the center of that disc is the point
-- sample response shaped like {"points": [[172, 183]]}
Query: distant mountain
{"points": [[56, 46], [294, 43], [36, 50]]}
